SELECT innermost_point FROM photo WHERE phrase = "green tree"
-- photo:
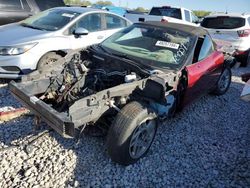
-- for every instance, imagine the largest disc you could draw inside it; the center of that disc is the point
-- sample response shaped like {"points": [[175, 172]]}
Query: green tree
{"points": [[67, 2], [140, 9], [77, 2], [86, 3], [72, 2], [104, 3], [201, 13]]}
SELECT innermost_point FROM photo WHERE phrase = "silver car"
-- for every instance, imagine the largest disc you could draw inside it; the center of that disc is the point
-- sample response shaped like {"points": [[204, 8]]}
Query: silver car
{"points": [[44, 38]]}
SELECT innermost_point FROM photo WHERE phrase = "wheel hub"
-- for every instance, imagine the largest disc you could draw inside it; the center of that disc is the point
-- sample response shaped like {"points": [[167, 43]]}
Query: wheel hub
{"points": [[142, 138], [224, 80]]}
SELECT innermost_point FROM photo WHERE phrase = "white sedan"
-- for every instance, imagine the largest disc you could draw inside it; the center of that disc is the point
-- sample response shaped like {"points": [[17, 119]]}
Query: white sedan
{"points": [[44, 38]]}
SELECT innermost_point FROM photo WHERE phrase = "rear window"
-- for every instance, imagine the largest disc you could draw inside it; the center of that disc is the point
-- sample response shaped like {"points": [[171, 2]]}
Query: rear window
{"points": [[223, 22], [46, 4], [166, 11]]}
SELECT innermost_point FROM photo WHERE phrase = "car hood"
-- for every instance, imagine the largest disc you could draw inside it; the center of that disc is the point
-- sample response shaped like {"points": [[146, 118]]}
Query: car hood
{"points": [[14, 34]]}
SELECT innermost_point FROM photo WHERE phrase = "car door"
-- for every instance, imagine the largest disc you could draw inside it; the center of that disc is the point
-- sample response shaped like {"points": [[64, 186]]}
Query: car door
{"points": [[113, 24], [13, 11], [94, 24], [205, 70]]}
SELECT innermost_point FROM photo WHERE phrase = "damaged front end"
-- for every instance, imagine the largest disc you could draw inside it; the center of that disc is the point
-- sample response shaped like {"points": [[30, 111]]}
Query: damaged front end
{"points": [[88, 88]]}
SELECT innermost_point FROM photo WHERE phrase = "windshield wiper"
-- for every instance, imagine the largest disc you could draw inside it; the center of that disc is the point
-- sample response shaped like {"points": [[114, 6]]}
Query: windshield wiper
{"points": [[31, 26]]}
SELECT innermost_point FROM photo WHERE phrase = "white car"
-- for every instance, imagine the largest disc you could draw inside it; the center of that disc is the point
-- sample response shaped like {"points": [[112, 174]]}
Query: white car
{"points": [[44, 38], [166, 14], [233, 29]]}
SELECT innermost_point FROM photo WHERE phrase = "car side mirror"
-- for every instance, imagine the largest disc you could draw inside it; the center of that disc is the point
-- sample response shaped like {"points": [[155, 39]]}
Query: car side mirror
{"points": [[81, 31]]}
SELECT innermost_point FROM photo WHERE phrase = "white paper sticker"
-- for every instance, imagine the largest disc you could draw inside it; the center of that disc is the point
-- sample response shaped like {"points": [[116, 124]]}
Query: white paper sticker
{"points": [[68, 15], [34, 99], [167, 44]]}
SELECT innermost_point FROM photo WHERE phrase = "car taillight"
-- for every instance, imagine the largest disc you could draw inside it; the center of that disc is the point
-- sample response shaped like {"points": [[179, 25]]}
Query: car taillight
{"points": [[244, 33]]}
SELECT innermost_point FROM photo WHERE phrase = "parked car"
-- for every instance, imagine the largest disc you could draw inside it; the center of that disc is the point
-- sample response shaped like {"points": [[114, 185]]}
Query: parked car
{"points": [[165, 14], [44, 38], [117, 10], [245, 94], [137, 76], [232, 28], [17, 10]]}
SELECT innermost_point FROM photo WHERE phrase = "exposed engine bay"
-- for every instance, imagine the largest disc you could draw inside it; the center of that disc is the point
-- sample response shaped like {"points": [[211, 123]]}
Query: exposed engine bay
{"points": [[92, 87], [82, 77]]}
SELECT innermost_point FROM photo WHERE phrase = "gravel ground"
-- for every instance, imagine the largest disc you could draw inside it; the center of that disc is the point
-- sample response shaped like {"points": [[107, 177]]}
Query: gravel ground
{"points": [[206, 145]]}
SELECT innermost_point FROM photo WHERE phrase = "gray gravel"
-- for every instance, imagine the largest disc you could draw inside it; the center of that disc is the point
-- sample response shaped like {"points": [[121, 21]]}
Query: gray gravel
{"points": [[206, 145]]}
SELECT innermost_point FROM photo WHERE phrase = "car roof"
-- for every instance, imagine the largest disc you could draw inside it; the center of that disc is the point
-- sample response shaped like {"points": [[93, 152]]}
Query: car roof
{"points": [[168, 6], [228, 14], [80, 10], [193, 30]]}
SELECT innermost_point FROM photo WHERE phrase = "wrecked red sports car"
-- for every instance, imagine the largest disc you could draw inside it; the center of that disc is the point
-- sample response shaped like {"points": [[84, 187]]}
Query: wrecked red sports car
{"points": [[129, 82]]}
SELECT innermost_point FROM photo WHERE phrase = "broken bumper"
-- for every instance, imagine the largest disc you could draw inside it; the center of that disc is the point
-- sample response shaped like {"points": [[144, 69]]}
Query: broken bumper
{"points": [[26, 94]]}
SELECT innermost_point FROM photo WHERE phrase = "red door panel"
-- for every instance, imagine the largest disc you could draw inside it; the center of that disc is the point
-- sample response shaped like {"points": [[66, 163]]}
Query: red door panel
{"points": [[203, 75], [204, 67]]}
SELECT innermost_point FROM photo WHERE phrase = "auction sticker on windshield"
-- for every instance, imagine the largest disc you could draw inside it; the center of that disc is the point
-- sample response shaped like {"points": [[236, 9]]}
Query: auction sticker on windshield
{"points": [[167, 44], [68, 15]]}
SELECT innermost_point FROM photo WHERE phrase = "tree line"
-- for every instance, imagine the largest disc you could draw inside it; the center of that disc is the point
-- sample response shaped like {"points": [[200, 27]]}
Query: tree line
{"points": [[199, 13], [86, 3]]}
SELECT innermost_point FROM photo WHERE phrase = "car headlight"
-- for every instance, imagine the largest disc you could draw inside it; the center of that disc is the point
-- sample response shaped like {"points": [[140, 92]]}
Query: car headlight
{"points": [[16, 50]]}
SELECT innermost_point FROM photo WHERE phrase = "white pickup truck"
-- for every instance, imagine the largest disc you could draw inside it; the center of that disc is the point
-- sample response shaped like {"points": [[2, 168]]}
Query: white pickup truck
{"points": [[167, 14]]}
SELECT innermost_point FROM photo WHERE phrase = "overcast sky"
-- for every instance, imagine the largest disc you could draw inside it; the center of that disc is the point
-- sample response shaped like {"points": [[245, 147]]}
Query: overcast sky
{"points": [[239, 6]]}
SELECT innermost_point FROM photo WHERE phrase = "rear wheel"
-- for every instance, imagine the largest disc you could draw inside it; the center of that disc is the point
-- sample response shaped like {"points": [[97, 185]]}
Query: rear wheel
{"points": [[223, 83], [244, 59], [48, 60], [247, 59], [131, 133]]}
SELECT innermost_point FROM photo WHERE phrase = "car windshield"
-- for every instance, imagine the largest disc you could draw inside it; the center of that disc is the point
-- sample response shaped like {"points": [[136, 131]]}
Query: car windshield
{"points": [[223, 22], [50, 20], [153, 46]]}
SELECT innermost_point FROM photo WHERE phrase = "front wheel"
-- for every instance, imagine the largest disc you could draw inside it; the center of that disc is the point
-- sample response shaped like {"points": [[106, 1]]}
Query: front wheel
{"points": [[224, 82], [48, 60], [131, 133]]}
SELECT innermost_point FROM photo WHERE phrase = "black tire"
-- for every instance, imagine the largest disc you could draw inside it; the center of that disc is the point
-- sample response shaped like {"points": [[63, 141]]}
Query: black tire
{"points": [[48, 59], [179, 97], [125, 130], [244, 59], [224, 82]]}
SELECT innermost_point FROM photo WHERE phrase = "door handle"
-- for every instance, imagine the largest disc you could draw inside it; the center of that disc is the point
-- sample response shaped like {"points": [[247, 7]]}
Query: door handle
{"points": [[100, 37]]}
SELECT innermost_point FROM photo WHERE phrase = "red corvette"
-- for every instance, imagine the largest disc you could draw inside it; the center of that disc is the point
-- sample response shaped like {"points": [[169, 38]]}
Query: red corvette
{"points": [[138, 75]]}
